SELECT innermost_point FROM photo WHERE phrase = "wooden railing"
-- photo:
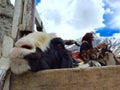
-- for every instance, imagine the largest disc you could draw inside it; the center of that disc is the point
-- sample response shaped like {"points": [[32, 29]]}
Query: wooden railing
{"points": [[24, 20], [92, 78]]}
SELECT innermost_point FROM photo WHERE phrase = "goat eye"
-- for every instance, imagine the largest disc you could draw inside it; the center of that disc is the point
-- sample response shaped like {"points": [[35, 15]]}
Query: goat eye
{"points": [[26, 47]]}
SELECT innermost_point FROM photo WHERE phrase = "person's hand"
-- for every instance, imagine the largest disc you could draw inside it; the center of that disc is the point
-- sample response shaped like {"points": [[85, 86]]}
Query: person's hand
{"points": [[103, 45], [99, 46]]}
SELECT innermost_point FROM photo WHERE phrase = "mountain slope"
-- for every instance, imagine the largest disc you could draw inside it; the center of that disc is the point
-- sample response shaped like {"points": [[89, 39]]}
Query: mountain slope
{"points": [[113, 43]]}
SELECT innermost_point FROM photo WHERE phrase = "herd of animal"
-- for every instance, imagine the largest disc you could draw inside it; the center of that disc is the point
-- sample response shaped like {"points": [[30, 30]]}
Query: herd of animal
{"points": [[40, 51]]}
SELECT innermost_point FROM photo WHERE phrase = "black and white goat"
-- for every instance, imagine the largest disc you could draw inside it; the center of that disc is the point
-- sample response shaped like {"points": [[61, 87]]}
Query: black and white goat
{"points": [[39, 51]]}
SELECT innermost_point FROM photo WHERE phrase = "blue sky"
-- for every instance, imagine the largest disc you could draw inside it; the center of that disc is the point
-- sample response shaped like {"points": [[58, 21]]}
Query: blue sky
{"points": [[107, 31], [38, 1], [71, 19]]}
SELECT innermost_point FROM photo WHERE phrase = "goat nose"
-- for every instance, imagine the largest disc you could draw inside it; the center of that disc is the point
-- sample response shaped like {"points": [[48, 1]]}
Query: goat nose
{"points": [[27, 46], [24, 46]]}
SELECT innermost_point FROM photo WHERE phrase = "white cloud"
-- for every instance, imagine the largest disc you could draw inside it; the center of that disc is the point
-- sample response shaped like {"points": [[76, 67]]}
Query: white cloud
{"points": [[115, 22], [71, 19], [108, 11], [12, 1], [114, 3], [114, 6], [116, 35]]}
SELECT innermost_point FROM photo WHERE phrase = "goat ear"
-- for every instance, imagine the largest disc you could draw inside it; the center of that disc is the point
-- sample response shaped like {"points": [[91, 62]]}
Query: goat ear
{"points": [[58, 43]]}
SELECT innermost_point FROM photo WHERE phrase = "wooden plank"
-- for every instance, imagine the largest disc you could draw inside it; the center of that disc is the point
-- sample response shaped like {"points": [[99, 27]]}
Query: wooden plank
{"points": [[2, 77], [28, 19], [17, 19], [7, 81], [38, 22], [4, 69], [92, 78], [24, 18], [6, 45]]}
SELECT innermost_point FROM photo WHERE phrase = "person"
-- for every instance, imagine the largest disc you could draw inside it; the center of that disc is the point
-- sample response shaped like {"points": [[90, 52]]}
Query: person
{"points": [[75, 57], [102, 54], [86, 46]]}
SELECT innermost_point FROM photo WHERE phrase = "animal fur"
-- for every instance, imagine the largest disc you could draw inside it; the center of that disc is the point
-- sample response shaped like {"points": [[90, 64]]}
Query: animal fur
{"points": [[39, 51]]}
